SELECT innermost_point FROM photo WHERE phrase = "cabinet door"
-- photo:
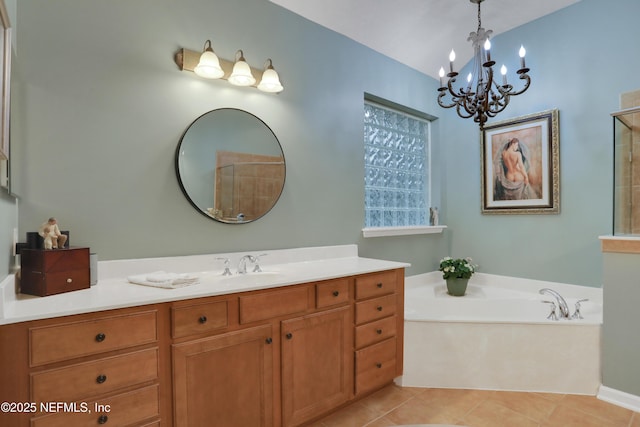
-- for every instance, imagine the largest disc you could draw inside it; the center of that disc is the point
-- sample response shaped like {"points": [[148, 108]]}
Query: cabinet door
{"points": [[317, 364], [226, 380]]}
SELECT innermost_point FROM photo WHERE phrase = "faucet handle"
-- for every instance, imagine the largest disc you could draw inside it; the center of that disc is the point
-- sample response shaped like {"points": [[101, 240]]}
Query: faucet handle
{"points": [[227, 263], [552, 315], [577, 314], [256, 268]]}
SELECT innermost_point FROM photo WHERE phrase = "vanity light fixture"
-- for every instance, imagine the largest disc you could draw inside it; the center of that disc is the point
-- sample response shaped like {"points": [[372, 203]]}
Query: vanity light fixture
{"points": [[241, 74], [270, 80], [208, 65]]}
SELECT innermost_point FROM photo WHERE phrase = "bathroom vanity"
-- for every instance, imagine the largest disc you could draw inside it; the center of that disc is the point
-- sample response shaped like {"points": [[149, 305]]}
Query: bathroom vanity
{"points": [[273, 350]]}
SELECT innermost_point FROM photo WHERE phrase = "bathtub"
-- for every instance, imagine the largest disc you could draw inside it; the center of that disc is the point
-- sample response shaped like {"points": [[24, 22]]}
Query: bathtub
{"points": [[498, 337]]}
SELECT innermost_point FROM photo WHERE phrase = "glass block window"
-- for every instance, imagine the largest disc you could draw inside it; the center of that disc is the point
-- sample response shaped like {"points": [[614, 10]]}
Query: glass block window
{"points": [[397, 167]]}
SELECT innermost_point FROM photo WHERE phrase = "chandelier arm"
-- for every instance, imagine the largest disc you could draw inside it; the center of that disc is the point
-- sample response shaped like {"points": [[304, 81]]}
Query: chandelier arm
{"points": [[527, 80], [440, 101], [468, 114]]}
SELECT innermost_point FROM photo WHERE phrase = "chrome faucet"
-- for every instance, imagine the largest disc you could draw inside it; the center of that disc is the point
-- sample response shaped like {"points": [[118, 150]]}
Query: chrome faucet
{"points": [[242, 265], [562, 304]]}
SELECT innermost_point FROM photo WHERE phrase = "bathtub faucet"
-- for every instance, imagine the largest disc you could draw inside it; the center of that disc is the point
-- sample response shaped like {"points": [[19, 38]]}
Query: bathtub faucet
{"points": [[562, 304]]}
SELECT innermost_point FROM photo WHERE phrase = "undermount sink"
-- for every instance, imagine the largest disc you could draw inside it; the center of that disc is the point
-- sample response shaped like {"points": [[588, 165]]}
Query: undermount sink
{"points": [[251, 278]]}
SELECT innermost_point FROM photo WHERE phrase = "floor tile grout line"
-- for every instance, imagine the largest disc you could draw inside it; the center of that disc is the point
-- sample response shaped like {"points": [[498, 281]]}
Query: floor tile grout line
{"points": [[391, 410]]}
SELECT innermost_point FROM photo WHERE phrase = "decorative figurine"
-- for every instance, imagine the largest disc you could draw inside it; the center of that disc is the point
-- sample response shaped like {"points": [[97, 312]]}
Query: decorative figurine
{"points": [[433, 216], [50, 232]]}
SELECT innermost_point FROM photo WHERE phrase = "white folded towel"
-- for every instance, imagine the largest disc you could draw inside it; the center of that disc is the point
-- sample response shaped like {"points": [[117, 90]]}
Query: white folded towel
{"points": [[162, 279]]}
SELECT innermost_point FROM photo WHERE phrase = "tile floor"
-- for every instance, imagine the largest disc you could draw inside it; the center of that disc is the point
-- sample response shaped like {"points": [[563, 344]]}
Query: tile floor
{"points": [[395, 405]]}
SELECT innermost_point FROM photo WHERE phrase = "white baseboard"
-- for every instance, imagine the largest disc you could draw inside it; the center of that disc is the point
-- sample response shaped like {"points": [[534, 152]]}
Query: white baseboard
{"points": [[619, 398]]}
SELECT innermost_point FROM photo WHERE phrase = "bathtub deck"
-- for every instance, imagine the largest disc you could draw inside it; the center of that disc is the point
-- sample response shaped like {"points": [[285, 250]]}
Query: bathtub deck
{"points": [[531, 354]]}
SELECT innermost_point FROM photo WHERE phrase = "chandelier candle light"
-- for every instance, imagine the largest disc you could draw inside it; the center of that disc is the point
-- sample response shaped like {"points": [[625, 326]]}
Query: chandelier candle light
{"points": [[482, 97]]}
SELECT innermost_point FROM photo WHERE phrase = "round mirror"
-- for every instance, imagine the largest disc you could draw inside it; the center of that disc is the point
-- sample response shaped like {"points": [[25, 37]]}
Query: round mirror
{"points": [[230, 166]]}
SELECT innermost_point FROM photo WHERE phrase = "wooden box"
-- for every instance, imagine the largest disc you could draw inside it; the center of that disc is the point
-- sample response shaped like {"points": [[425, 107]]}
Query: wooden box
{"points": [[54, 271]]}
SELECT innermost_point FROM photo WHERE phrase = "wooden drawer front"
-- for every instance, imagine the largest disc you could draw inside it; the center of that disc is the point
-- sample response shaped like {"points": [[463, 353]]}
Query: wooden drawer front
{"points": [[375, 284], [120, 410], [55, 261], [85, 380], [332, 292], [195, 319], [375, 308], [375, 365], [66, 341], [374, 332], [270, 304], [44, 284]]}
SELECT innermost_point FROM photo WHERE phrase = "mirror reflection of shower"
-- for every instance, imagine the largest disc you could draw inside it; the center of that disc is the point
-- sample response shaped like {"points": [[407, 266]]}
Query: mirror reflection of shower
{"points": [[245, 185], [626, 135]]}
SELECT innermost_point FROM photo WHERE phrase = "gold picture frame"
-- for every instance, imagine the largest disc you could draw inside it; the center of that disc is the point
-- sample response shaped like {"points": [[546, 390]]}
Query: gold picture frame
{"points": [[5, 69], [521, 165]]}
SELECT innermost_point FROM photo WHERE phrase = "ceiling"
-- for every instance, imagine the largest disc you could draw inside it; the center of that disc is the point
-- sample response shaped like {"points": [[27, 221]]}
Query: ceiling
{"points": [[420, 33]]}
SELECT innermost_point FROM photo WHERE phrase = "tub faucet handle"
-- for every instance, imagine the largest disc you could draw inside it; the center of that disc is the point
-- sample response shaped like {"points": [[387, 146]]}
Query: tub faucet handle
{"points": [[577, 314], [227, 263], [552, 315]]}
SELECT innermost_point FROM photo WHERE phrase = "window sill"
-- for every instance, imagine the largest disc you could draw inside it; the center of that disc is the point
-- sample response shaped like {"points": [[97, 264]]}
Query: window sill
{"points": [[402, 231]]}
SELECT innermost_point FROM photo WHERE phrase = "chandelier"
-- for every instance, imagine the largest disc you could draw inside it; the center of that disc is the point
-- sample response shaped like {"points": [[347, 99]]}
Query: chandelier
{"points": [[483, 96]]}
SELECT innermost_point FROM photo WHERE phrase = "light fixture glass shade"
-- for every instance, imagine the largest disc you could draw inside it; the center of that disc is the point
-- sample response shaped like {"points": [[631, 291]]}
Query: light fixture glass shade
{"points": [[270, 80], [209, 65], [241, 74]]}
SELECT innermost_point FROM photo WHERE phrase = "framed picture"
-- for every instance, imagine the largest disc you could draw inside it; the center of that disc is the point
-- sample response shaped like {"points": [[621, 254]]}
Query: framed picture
{"points": [[521, 165], [5, 71]]}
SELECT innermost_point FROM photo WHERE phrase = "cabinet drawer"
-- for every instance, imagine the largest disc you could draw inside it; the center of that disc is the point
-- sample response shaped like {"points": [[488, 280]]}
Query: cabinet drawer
{"points": [[332, 292], [375, 365], [375, 284], [66, 341], [199, 318], [44, 284], [376, 331], [120, 410], [89, 379], [271, 304], [375, 308]]}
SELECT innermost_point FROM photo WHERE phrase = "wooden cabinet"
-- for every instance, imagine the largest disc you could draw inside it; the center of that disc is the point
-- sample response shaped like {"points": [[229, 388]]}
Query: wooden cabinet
{"points": [[93, 369], [317, 367], [379, 326], [279, 357], [225, 380]]}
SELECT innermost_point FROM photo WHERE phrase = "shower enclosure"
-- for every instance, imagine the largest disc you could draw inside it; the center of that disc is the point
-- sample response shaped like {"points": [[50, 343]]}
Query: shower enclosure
{"points": [[626, 204]]}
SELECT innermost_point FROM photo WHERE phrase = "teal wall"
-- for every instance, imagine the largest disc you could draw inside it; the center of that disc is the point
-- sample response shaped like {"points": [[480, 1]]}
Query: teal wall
{"points": [[580, 62], [100, 107]]}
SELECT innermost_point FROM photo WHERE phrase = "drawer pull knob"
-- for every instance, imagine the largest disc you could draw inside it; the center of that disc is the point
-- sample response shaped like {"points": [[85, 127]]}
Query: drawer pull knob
{"points": [[378, 365], [379, 308], [69, 280], [379, 285], [100, 337], [101, 379], [202, 319], [336, 293], [269, 340], [102, 419], [379, 331], [289, 335]]}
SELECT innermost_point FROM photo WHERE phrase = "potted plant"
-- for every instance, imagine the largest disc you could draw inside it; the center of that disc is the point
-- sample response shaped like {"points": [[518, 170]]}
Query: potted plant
{"points": [[457, 272]]}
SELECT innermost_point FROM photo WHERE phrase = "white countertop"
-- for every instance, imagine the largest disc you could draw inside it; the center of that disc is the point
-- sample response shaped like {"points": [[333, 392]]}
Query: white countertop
{"points": [[280, 268]]}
